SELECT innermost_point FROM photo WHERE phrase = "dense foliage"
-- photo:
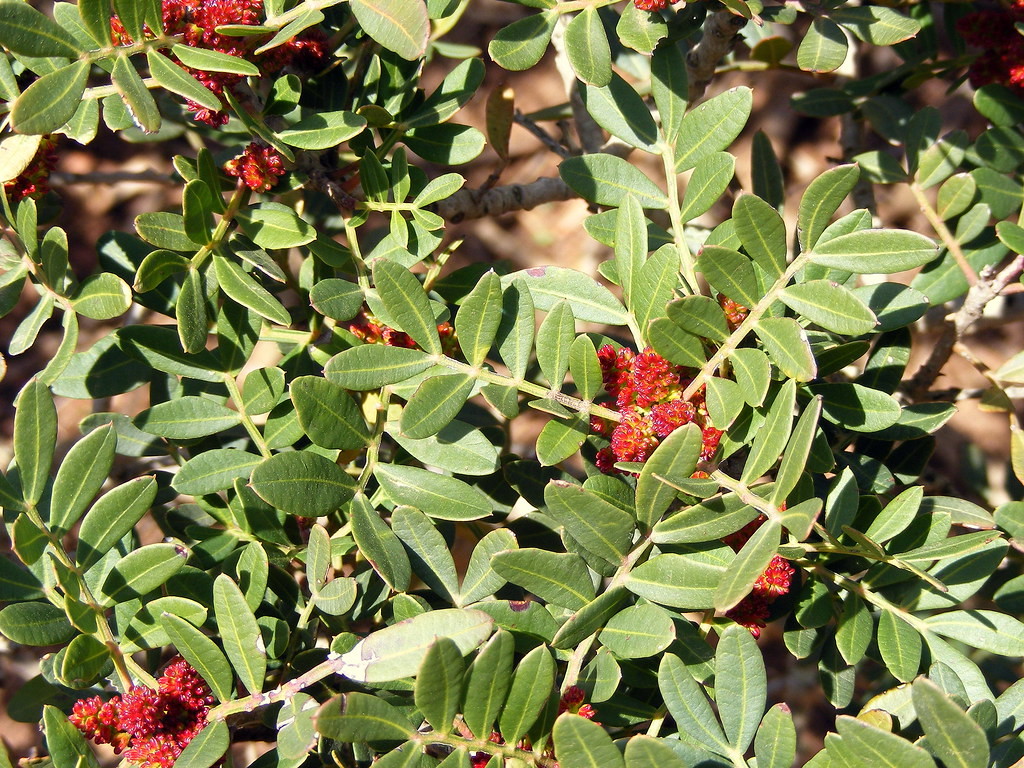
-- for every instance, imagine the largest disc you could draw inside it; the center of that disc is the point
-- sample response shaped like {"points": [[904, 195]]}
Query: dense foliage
{"points": [[352, 562]]}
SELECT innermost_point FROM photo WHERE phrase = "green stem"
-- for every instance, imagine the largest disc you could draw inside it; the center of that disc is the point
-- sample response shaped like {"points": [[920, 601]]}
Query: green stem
{"points": [[373, 448], [686, 263], [749, 322], [864, 593], [581, 406], [247, 422], [948, 238]]}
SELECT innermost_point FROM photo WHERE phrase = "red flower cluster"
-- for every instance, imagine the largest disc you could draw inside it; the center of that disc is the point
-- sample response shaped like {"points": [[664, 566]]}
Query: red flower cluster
{"points": [[752, 611], [734, 313], [196, 22], [647, 389], [258, 166], [651, 5], [366, 328], [1002, 56], [34, 181], [150, 727], [571, 701]]}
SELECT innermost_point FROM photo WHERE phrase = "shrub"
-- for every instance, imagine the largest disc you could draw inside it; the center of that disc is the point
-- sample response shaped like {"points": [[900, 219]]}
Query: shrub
{"points": [[731, 438]]}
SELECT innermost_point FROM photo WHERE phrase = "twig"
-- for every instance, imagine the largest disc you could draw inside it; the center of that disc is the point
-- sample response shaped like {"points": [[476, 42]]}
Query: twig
{"points": [[990, 284], [721, 30], [477, 203], [545, 138], [947, 237]]}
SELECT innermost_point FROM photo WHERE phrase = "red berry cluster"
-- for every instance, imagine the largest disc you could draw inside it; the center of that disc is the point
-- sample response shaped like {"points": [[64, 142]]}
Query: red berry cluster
{"points": [[1002, 56], [196, 22], [648, 395], [34, 181], [651, 5], [752, 611], [735, 313], [572, 701], [368, 330], [259, 167], [150, 727]]}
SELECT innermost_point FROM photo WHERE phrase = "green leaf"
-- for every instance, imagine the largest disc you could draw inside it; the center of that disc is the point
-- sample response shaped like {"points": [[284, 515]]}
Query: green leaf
{"points": [[530, 689], [438, 691], [587, 48], [856, 407], [51, 100], [457, 88], [875, 251], [206, 747], [588, 619], [794, 461], [877, 25], [751, 561], [631, 246], [654, 287], [141, 571], [590, 301], [561, 438], [617, 108], [446, 144], [84, 660], [640, 30], [66, 744], [159, 347], [771, 439], [337, 299], [428, 552], [137, 98], [435, 403], [831, 306], [710, 178], [606, 180], [240, 632], [556, 578], [741, 687], [896, 516], [821, 200], [873, 746], [675, 344], [478, 318], [35, 624], [952, 735], [516, 330], [190, 310], [165, 230], [638, 631], [554, 339], [302, 483], [328, 414], [175, 79], [988, 630], [480, 579], [186, 418], [458, 447], [244, 289], [729, 272], [112, 515], [323, 130], [26, 31], [487, 683], [372, 366], [402, 26], [406, 302], [670, 88], [585, 367], [398, 651], [688, 704], [787, 346], [674, 459], [775, 742], [262, 390], [35, 438], [823, 48], [214, 470], [440, 496], [362, 717], [712, 126], [682, 581], [521, 44], [752, 370], [273, 225], [580, 743], [899, 645], [700, 316], [379, 545], [601, 527]]}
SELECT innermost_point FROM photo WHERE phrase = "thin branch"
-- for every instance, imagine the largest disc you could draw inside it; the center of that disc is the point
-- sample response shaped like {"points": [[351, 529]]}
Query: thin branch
{"points": [[477, 203], [989, 286], [545, 138], [721, 31]]}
